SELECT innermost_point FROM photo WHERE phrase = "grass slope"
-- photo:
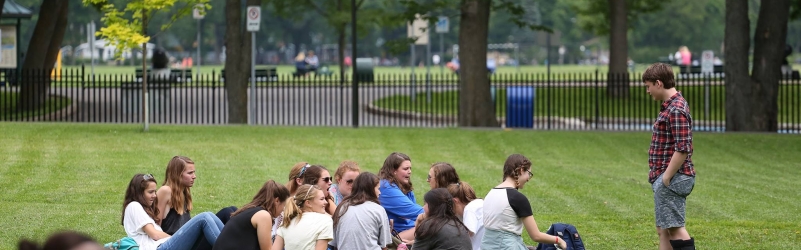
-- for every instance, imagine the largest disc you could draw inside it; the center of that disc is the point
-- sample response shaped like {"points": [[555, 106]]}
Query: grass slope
{"points": [[72, 176]]}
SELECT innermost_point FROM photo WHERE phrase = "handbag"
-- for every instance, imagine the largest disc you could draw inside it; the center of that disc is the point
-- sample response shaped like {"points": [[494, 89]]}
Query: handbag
{"points": [[126, 243]]}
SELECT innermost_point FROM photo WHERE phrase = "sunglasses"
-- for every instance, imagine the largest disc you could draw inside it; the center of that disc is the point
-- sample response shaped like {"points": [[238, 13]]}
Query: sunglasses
{"points": [[327, 179], [147, 177]]}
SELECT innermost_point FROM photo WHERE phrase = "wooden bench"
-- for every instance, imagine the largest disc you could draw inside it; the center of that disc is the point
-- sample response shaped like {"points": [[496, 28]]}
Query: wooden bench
{"points": [[262, 75], [176, 75]]}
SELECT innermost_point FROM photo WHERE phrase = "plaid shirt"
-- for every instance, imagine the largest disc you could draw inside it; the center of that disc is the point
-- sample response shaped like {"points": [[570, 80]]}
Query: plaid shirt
{"points": [[672, 132]]}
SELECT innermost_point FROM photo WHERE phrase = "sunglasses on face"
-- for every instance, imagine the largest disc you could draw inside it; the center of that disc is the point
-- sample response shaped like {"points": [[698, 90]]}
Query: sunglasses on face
{"points": [[327, 179]]}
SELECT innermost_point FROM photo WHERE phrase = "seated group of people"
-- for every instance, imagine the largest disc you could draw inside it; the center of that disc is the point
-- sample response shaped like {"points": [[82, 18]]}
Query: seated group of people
{"points": [[351, 210], [304, 64]]}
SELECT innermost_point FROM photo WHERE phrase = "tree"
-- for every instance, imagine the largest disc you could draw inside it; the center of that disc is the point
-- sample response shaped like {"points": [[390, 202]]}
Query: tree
{"points": [[43, 51], [237, 61], [752, 101], [613, 18]]}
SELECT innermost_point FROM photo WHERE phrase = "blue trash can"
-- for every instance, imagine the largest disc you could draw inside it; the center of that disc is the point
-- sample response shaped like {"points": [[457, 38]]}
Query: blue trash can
{"points": [[520, 107]]}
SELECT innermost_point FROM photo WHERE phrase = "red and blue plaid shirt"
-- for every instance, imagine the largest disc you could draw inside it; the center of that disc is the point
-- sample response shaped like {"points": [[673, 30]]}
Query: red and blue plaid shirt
{"points": [[672, 132]]}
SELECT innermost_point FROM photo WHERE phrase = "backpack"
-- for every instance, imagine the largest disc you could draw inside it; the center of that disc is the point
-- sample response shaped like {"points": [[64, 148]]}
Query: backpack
{"points": [[566, 232], [126, 243]]}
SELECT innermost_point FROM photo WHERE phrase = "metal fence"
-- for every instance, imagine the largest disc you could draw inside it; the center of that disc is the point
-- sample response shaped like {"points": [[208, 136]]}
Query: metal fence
{"points": [[539, 101]]}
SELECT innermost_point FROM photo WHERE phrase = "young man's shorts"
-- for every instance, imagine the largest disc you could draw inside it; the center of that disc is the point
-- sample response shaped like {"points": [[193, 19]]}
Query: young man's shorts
{"points": [[670, 202]]}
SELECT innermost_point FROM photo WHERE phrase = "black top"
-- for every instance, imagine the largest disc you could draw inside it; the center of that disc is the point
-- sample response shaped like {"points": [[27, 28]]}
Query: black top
{"points": [[173, 221], [239, 233], [519, 203]]}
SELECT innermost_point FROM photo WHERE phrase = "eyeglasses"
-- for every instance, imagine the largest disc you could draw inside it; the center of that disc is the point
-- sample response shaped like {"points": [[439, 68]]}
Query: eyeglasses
{"points": [[429, 177], [327, 179], [529, 173], [349, 181], [147, 177], [303, 170]]}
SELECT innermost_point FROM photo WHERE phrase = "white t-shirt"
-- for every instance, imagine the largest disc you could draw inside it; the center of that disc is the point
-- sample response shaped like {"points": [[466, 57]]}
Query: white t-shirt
{"points": [[303, 234], [134, 220], [504, 210], [473, 219]]}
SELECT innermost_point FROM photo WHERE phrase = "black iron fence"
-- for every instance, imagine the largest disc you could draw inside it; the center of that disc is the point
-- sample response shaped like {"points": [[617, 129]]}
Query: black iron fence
{"points": [[580, 101]]}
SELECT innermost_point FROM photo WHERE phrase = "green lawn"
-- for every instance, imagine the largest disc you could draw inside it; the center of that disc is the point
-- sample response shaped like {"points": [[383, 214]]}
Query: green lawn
{"points": [[72, 176], [582, 102], [8, 106]]}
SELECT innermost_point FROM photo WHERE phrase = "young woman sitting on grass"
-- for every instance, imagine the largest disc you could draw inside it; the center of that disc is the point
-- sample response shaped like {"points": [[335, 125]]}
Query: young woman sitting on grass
{"points": [[344, 176], [250, 227], [397, 197], [507, 211], [141, 223], [175, 198], [306, 226], [470, 210], [440, 228], [315, 175], [360, 222]]}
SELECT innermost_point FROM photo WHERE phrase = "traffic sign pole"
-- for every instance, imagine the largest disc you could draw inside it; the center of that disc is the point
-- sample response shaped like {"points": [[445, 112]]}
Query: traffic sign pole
{"points": [[254, 20]]}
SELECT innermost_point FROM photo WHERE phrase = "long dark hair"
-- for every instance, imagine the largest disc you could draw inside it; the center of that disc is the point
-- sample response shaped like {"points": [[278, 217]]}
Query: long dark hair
{"points": [[265, 197], [392, 163], [440, 212], [363, 191], [135, 192], [59, 241], [181, 196]]}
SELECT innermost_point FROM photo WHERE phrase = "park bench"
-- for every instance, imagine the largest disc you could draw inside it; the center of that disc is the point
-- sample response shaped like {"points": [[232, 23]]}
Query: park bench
{"points": [[262, 75], [176, 75]]}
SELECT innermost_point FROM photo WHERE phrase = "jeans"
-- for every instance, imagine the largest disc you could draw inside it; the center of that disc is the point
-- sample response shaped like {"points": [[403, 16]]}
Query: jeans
{"points": [[205, 224]]}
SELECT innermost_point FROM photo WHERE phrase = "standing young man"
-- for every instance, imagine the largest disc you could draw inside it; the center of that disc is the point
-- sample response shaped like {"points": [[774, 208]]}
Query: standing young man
{"points": [[672, 175]]}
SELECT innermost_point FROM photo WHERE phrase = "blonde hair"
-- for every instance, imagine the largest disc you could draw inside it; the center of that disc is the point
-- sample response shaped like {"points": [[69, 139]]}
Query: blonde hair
{"points": [[294, 205], [181, 196], [301, 56]]}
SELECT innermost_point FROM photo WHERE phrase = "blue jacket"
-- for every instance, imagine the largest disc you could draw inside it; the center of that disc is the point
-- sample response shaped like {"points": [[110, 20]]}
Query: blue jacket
{"points": [[401, 208]]}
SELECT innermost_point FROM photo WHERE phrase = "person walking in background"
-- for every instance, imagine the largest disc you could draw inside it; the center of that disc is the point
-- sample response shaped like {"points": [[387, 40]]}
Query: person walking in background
{"points": [[672, 173]]}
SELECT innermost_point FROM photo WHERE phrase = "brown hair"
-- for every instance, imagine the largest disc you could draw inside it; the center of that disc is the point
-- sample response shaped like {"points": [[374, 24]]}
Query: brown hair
{"points": [[294, 173], [135, 192], [392, 163], [363, 191], [344, 167], [514, 163], [181, 196], [294, 205], [462, 191], [440, 212], [444, 175], [659, 71], [265, 197], [59, 241]]}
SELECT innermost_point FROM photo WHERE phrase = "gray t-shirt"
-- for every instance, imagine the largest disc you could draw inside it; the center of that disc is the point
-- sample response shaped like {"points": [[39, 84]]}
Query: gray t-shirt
{"points": [[450, 237], [364, 226]]}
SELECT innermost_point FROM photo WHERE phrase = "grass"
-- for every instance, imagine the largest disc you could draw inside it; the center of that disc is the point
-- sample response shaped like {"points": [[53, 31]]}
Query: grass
{"points": [[582, 102], [8, 106], [72, 176]]}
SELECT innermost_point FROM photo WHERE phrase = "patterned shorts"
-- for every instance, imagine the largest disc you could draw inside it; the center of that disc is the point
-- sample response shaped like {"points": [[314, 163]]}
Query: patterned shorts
{"points": [[670, 202]]}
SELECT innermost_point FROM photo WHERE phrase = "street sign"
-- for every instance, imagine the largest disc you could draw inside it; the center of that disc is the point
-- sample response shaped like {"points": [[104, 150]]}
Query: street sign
{"points": [[707, 62], [254, 18], [443, 24], [196, 12]]}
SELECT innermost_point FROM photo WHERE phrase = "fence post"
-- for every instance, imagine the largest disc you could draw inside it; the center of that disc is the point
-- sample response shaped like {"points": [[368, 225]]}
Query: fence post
{"points": [[597, 101]]}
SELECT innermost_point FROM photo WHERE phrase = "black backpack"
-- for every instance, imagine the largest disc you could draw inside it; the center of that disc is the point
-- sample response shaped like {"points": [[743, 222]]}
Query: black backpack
{"points": [[566, 232]]}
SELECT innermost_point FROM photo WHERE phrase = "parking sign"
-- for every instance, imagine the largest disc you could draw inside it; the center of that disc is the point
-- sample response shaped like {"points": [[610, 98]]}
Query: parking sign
{"points": [[707, 62], [443, 24]]}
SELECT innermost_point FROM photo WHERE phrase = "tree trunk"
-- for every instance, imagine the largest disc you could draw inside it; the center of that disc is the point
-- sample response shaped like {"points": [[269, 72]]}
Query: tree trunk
{"points": [[237, 62], [618, 79], [769, 42], [35, 75], [58, 36], [476, 108], [738, 83]]}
